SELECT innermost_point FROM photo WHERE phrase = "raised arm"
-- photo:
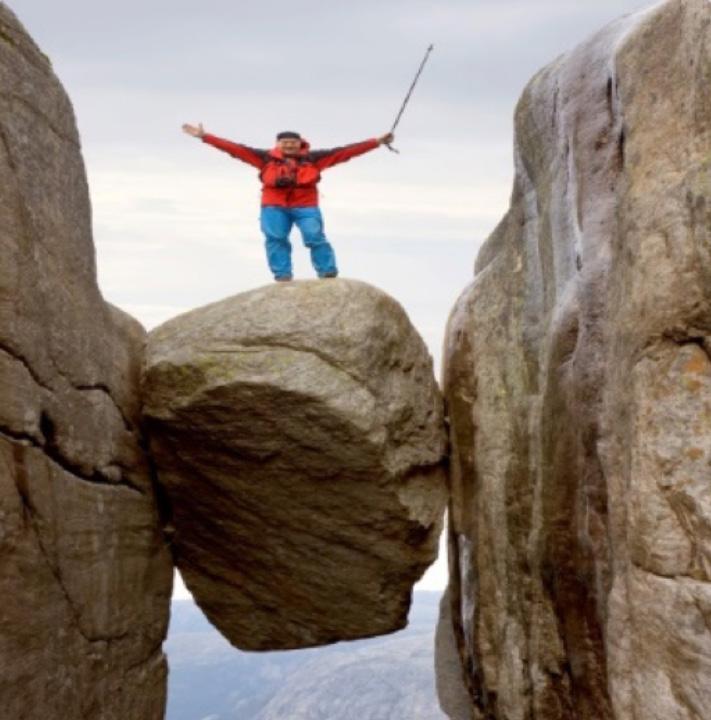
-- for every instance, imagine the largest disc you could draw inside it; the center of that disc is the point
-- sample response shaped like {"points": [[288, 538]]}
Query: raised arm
{"points": [[328, 158], [250, 155]]}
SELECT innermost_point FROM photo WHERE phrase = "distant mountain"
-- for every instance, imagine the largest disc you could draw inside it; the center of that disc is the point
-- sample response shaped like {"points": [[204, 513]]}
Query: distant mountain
{"points": [[384, 678]]}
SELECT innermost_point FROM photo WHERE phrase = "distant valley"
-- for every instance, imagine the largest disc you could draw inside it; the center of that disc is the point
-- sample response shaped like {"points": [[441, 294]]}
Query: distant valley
{"points": [[384, 678]]}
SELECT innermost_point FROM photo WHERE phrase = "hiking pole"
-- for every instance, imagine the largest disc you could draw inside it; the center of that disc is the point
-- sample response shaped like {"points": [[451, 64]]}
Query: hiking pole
{"points": [[407, 97]]}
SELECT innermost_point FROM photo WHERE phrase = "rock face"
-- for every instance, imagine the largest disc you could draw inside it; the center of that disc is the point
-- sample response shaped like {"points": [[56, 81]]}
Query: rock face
{"points": [[298, 432], [452, 691], [578, 380], [85, 576]]}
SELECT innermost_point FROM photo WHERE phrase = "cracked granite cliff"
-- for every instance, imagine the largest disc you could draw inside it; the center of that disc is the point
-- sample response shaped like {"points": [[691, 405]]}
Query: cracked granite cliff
{"points": [[578, 383]]}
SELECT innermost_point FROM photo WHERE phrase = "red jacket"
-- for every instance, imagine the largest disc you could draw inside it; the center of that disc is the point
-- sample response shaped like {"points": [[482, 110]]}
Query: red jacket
{"points": [[286, 181]]}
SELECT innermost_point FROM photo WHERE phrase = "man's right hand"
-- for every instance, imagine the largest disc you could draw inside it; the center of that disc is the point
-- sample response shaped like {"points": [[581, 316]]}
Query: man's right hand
{"points": [[198, 131]]}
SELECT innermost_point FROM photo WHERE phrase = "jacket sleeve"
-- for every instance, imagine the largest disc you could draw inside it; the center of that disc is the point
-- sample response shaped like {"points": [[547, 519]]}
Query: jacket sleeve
{"points": [[328, 158], [252, 156]]}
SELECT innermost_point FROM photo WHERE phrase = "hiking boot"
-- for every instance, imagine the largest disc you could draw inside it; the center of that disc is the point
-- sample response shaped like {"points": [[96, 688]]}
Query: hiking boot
{"points": [[329, 275], [284, 278]]}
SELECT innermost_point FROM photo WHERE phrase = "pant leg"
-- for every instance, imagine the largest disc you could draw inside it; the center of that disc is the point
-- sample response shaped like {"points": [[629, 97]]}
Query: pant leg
{"points": [[310, 222], [276, 225]]}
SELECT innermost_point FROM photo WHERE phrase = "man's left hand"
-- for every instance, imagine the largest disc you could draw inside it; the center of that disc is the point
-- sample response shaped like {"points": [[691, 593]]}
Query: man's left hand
{"points": [[386, 139]]}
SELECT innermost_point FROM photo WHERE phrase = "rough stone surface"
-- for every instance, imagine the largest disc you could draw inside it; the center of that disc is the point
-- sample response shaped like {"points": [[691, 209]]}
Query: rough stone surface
{"points": [[451, 686], [85, 576], [578, 383], [298, 432]]}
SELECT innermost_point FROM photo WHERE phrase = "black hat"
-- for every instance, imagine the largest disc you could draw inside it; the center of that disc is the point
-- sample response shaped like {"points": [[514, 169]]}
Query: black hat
{"points": [[288, 134]]}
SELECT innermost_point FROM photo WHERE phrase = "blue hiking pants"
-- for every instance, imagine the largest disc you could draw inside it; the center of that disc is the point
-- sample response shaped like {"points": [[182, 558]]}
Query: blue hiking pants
{"points": [[276, 223]]}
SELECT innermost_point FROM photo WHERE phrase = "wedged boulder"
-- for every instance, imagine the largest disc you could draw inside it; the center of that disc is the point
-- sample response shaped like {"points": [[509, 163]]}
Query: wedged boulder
{"points": [[578, 382], [298, 432], [85, 574]]}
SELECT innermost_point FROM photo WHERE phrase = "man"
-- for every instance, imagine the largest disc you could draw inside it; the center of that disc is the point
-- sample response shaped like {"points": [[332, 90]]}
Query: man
{"points": [[289, 173]]}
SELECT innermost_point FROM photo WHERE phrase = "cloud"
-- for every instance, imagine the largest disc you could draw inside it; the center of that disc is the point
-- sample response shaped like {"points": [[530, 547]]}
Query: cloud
{"points": [[336, 71], [166, 205]]}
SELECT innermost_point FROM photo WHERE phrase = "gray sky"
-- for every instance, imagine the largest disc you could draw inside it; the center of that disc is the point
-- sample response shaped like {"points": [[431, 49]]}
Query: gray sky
{"points": [[175, 221]]}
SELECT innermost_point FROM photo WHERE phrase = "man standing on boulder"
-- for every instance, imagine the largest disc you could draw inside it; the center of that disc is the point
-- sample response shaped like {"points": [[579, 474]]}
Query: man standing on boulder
{"points": [[289, 173]]}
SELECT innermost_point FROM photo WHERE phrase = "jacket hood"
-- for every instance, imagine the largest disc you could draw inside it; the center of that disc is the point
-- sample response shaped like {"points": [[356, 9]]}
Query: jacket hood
{"points": [[276, 150]]}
